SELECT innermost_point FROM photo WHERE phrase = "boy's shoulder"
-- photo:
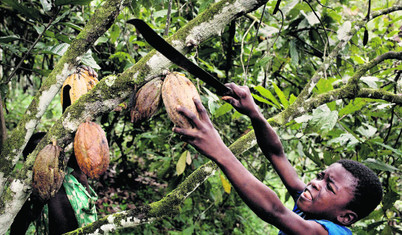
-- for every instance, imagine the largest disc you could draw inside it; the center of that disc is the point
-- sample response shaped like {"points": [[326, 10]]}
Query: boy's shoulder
{"points": [[333, 228]]}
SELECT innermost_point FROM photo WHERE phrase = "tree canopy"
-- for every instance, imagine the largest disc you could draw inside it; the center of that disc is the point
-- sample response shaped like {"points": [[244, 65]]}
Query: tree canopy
{"points": [[326, 75]]}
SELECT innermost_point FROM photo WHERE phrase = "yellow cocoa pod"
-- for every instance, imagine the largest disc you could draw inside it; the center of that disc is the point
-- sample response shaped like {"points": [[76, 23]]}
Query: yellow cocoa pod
{"points": [[77, 84], [147, 101], [47, 175], [177, 90], [91, 149]]}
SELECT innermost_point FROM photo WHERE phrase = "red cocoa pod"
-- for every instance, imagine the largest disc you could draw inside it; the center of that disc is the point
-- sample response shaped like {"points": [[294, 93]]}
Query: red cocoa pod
{"points": [[47, 174], [91, 149], [177, 90], [147, 101]]}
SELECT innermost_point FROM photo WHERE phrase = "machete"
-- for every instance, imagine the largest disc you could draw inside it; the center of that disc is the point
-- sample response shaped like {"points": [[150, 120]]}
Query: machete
{"points": [[177, 58]]}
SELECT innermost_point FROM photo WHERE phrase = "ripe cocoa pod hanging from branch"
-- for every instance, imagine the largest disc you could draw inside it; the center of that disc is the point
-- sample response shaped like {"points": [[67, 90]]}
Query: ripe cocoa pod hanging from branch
{"points": [[179, 90], [147, 101], [77, 84], [91, 149], [47, 174]]}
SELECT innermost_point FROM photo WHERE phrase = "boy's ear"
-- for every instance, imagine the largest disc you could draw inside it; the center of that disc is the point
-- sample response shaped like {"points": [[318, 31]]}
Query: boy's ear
{"points": [[347, 217]]}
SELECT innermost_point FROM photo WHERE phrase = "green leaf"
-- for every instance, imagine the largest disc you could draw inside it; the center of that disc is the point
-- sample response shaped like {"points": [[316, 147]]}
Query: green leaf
{"points": [[71, 2], [390, 148], [314, 157], [260, 99], [267, 94], [212, 101], [355, 105], [323, 120], [367, 132], [292, 99], [114, 33], [389, 199], [378, 165], [71, 25], [294, 54], [10, 38], [225, 108], [344, 30], [87, 59], [57, 50], [281, 96], [30, 12], [189, 230], [181, 164], [370, 81], [325, 85], [46, 5]]}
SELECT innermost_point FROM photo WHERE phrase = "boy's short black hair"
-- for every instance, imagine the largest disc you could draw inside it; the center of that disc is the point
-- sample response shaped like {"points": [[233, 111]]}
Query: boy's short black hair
{"points": [[368, 191]]}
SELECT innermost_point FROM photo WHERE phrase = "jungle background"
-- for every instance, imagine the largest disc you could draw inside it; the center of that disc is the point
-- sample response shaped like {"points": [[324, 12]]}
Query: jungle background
{"points": [[326, 74]]}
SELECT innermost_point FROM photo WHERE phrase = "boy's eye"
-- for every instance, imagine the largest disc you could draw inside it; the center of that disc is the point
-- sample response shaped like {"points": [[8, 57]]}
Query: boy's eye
{"points": [[330, 187], [320, 175]]}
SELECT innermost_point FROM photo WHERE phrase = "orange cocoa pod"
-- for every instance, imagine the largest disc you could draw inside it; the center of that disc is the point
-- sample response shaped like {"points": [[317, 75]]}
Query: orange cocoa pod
{"points": [[77, 84], [47, 174], [177, 90], [147, 101], [91, 149]]}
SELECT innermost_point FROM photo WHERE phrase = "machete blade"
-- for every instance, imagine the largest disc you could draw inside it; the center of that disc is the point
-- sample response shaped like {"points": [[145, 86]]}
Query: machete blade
{"points": [[177, 58]]}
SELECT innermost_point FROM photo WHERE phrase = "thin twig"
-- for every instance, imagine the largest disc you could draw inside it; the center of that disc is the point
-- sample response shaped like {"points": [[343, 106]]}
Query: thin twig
{"points": [[255, 38], [242, 51], [168, 17]]}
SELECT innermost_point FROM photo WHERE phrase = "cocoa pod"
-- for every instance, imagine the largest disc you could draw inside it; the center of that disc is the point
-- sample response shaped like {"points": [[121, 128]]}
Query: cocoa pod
{"points": [[77, 84], [147, 101], [179, 90], [47, 175], [91, 149]]}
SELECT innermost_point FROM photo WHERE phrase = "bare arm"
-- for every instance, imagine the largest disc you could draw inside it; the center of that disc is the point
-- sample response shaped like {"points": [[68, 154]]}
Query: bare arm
{"points": [[267, 139], [260, 198]]}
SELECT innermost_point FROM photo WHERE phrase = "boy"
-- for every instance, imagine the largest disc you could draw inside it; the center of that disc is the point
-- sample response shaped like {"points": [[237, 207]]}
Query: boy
{"points": [[342, 194]]}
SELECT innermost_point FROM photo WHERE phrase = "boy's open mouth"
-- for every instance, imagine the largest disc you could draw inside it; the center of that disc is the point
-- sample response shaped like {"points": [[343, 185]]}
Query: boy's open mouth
{"points": [[307, 195]]}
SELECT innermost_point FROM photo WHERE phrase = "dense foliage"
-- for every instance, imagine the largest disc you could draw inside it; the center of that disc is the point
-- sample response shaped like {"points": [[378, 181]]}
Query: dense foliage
{"points": [[276, 52]]}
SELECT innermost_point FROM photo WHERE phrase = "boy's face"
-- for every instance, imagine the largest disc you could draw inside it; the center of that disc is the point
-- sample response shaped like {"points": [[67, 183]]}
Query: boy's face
{"points": [[327, 196]]}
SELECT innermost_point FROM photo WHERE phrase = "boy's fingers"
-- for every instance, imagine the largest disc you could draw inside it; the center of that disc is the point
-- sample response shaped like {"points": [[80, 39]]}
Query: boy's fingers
{"points": [[238, 90], [201, 109], [189, 115], [186, 135], [230, 100]]}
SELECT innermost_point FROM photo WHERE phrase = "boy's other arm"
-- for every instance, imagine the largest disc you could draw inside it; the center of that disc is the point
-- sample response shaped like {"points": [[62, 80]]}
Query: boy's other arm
{"points": [[260, 198], [267, 139]]}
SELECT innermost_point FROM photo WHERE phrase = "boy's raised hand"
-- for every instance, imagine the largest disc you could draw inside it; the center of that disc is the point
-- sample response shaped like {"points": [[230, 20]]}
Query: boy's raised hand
{"points": [[204, 137], [244, 102]]}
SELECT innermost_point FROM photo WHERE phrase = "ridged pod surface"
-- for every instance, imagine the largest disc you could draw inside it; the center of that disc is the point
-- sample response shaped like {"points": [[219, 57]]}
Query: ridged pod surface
{"points": [[147, 101], [77, 84], [47, 175], [179, 90], [91, 149]]}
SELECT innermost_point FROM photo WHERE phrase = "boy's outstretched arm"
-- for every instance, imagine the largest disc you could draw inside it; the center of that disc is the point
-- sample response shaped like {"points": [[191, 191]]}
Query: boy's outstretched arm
{"points": [[267, 139], [260, 198]]}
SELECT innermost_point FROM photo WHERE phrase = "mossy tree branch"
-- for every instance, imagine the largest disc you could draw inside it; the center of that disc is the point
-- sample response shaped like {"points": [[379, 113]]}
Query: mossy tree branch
{"points": [[13, 190]]}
